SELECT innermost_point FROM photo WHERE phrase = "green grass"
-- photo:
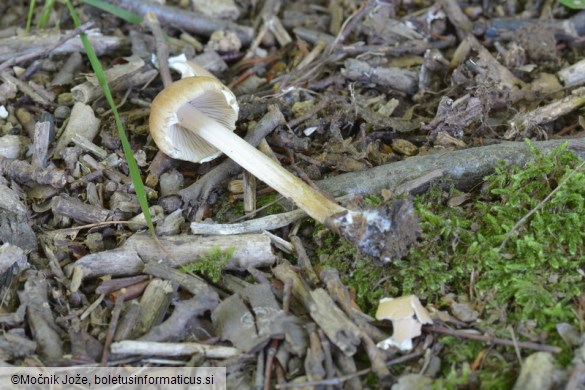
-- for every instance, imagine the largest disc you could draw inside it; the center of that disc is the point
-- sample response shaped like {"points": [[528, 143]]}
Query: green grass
{"points": [[128, 153], [99, 72]]}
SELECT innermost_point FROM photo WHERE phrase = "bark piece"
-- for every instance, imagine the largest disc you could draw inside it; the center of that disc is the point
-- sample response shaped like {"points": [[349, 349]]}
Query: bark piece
{"points": [[16, 45], [338, 328], [84, 213], [180, 323], [120, 78], [25, 173], [250, 326], [43, 131], [192, 283], [220, 9], [82, 121], [537, 372], [153, 305], [11, 201], [40, 317], [12, 261], [16, 345], [15, 229], [404, 80], [127, 321]]}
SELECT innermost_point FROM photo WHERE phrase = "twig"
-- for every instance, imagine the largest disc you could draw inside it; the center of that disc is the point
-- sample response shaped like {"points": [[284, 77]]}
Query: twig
{"points": [[492, 340], [187, 20], [334, 381], [113, 325], [45, 50], [272, 349], [162, 48], [23, 172]]}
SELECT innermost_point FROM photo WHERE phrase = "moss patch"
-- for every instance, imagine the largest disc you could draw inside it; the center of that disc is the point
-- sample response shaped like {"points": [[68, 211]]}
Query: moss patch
{"points": [[211, 264], [534, 277]]}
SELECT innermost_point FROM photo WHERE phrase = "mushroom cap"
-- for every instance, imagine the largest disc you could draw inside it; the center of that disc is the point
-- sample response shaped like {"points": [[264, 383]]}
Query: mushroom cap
{"points": [[206, 95]]}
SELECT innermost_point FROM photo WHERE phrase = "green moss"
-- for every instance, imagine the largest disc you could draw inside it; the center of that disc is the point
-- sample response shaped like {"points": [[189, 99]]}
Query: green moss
{"points": [[211, 264], [226, 211], [271, 201], [535, 276], [536, 271], [496, 371]]}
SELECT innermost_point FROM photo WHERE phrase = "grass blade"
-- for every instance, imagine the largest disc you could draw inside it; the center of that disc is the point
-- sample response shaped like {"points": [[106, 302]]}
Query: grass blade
{"points": [[114, 10], [132, 166]]}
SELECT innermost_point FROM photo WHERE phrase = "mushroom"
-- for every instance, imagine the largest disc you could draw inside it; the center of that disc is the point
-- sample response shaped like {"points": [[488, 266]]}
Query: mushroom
{"points": [[193, 119]]}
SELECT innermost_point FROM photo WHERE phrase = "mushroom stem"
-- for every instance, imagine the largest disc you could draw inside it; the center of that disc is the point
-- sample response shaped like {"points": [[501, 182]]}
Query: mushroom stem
{"points": [[313, 202], [197, 109]]}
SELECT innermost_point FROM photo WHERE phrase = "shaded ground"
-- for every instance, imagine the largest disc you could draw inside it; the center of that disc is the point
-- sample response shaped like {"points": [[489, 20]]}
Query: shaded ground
{"points": [[406, 108]]}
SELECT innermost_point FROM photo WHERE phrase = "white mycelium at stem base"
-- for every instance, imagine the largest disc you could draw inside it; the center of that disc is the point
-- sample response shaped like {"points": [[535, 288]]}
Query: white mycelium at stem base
{"points": [[193, 119]]}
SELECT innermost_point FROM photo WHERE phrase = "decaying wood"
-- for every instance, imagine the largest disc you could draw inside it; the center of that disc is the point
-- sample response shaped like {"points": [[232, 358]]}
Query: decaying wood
{"points": [[25, 173], [340, 330], [40, 317], [127, 321], [340, 293], [545, 114], [179, 325], [252, 250], [66, 73], [120, 78], [43, 131], [189, 21], [11, 200], [338, 83], [192, 283], [82, 121], [270, 222], [466, 168], [154, 304], [39, 97], [304, 261], [152, 348], [11, 46], [15, 229], [12, 261], [81, 212], [403, 80], [162, 48], [116, 311]]}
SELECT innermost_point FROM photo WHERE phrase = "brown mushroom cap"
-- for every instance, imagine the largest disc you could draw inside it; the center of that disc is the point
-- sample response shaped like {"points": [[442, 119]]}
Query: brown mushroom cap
{"points": [[208, 97]]}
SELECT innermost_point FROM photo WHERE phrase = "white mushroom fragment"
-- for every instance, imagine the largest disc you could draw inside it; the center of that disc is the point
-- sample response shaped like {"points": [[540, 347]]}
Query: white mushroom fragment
{"points": [[193, 119], [407, 316]]}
